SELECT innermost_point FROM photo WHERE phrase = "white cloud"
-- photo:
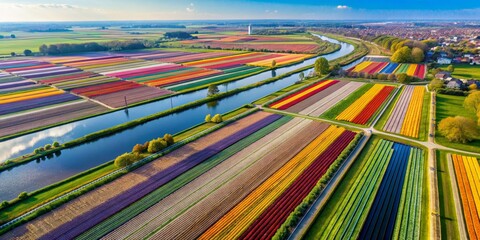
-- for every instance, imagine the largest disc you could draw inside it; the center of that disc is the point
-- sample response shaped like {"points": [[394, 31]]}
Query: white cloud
{"points": [[268, 11], [191, 8], [342, 7]]}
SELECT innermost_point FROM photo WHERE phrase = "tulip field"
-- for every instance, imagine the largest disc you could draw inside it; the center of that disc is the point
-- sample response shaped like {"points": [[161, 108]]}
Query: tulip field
{"points": [[318, 98], [383, 200], [362, 110], [406, 115], [210, 175], [467, 173], [416, 70]]}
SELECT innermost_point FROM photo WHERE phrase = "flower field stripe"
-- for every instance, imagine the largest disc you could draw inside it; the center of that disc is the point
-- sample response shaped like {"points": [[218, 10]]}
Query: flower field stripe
{"points": [[407, 225], [378, 68], [270, 220], [206, 62], [466, 195], [397, 116], [20, 106], [262, 163], [132, 212], [411, 124], [95, 215], [182, 78], [357, 107], [411, 69], [373, 106], [301, 95], [232, 224], [29, 95], [331, 100], [473, 179], [359, 192], [381, 217], [361, 66]]}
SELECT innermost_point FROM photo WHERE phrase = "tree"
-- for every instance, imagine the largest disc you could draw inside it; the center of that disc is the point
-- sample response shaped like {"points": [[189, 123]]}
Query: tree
{"points": [[472, 102], [391, 77], [458, 129], [169, 138], [208, 118], [212, 90], [321, 66], [435, 84], [13, 36], [138, 148], [450, 68], [382, 76], [56, 144], [48, 147], [4, 204], [157, 145], [403, 78], [126, 159], [417, 55], [13, 54], [274, 63], [22, 195], [472, 87], [43, 49], [217, 118], [402, 55], [301, 76], [27, 52]]}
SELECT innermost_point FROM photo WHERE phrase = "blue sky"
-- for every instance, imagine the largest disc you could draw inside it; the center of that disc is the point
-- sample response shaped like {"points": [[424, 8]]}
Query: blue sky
{"points": [[60, 10]]}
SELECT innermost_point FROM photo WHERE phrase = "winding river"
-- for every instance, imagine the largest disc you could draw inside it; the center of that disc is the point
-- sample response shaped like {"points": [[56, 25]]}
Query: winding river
{"points": [[37, 174]]}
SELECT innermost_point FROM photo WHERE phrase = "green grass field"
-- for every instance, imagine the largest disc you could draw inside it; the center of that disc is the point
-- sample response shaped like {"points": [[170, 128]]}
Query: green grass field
{"points": [[448, 106], [32, 41], [466, 71]]}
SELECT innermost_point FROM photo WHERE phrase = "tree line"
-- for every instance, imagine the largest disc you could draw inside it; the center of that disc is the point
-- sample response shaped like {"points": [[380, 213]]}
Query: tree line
{"points": [[63, 48], [404, 50]]}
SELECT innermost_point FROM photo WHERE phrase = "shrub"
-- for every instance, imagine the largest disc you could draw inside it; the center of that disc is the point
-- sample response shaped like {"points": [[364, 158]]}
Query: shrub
{"points": [[4, 204], [157, 145], [169, 139], [37, 151], [145, 145], [48, 147], [138, 148], [458, 129], [126, 159], [217, 118], [208, 118], [391, 77], [56, 144], [22, 195]]}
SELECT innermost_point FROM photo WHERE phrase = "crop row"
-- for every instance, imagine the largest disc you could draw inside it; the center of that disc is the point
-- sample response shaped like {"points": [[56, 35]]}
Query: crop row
{"points": [[416, 70], [258, 162], [408, 222], [235, 222], [93, 214], [380, 221], [300, 96], [467, 172], [266, 225], [365, 107], [147, 210]]}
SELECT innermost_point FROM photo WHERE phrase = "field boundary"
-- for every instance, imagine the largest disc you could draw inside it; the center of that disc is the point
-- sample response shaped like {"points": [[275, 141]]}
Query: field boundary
{"points": [[462, 230], [305, 222]]}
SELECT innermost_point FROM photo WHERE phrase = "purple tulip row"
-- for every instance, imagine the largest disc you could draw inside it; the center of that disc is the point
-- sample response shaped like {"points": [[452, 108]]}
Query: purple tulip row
{"points": [[36, 103], [94, 216]]}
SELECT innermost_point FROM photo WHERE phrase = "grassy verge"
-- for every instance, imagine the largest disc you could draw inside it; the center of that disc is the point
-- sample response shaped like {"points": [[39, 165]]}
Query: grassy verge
{"points": [[18, 207], [342, 105], [324, 216], [448, 106], [448, 218]]}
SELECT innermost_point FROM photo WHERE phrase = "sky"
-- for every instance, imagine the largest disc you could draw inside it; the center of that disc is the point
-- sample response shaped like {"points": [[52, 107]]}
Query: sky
{"points": [[89, 10]]}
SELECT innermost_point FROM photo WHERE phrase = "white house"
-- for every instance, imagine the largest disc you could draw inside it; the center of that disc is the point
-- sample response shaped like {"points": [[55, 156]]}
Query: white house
{"points": [[444, 60]]}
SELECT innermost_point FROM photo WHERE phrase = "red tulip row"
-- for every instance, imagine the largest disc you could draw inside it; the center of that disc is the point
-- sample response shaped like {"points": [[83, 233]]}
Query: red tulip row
{"points": [[373, 106]]}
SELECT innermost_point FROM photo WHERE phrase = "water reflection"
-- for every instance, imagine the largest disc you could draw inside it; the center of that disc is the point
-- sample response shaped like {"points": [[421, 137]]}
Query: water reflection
{"points": [[19, 144]]}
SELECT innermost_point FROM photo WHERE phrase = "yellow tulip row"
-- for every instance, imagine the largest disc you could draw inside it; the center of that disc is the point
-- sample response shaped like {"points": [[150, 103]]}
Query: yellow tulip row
{"points": [[37, 93], [282, 60], [411, 69], [361, 66], [238, 219], [291, 99], [411, 124], [356, 108]]}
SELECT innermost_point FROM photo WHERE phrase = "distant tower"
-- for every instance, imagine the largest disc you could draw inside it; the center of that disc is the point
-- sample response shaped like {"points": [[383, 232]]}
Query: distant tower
{"points": [[249, 29]]}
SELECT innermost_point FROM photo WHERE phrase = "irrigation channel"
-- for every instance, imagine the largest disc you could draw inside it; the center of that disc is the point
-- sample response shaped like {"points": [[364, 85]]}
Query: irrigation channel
{"points": [[40, 173]]}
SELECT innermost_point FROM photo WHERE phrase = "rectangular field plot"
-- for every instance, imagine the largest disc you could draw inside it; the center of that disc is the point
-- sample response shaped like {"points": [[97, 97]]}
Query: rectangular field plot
{"points": [[414, 70], [381, 197]]}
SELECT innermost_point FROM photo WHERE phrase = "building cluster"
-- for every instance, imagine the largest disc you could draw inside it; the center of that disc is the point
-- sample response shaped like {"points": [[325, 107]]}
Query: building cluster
{"points": [[456, 83]]}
